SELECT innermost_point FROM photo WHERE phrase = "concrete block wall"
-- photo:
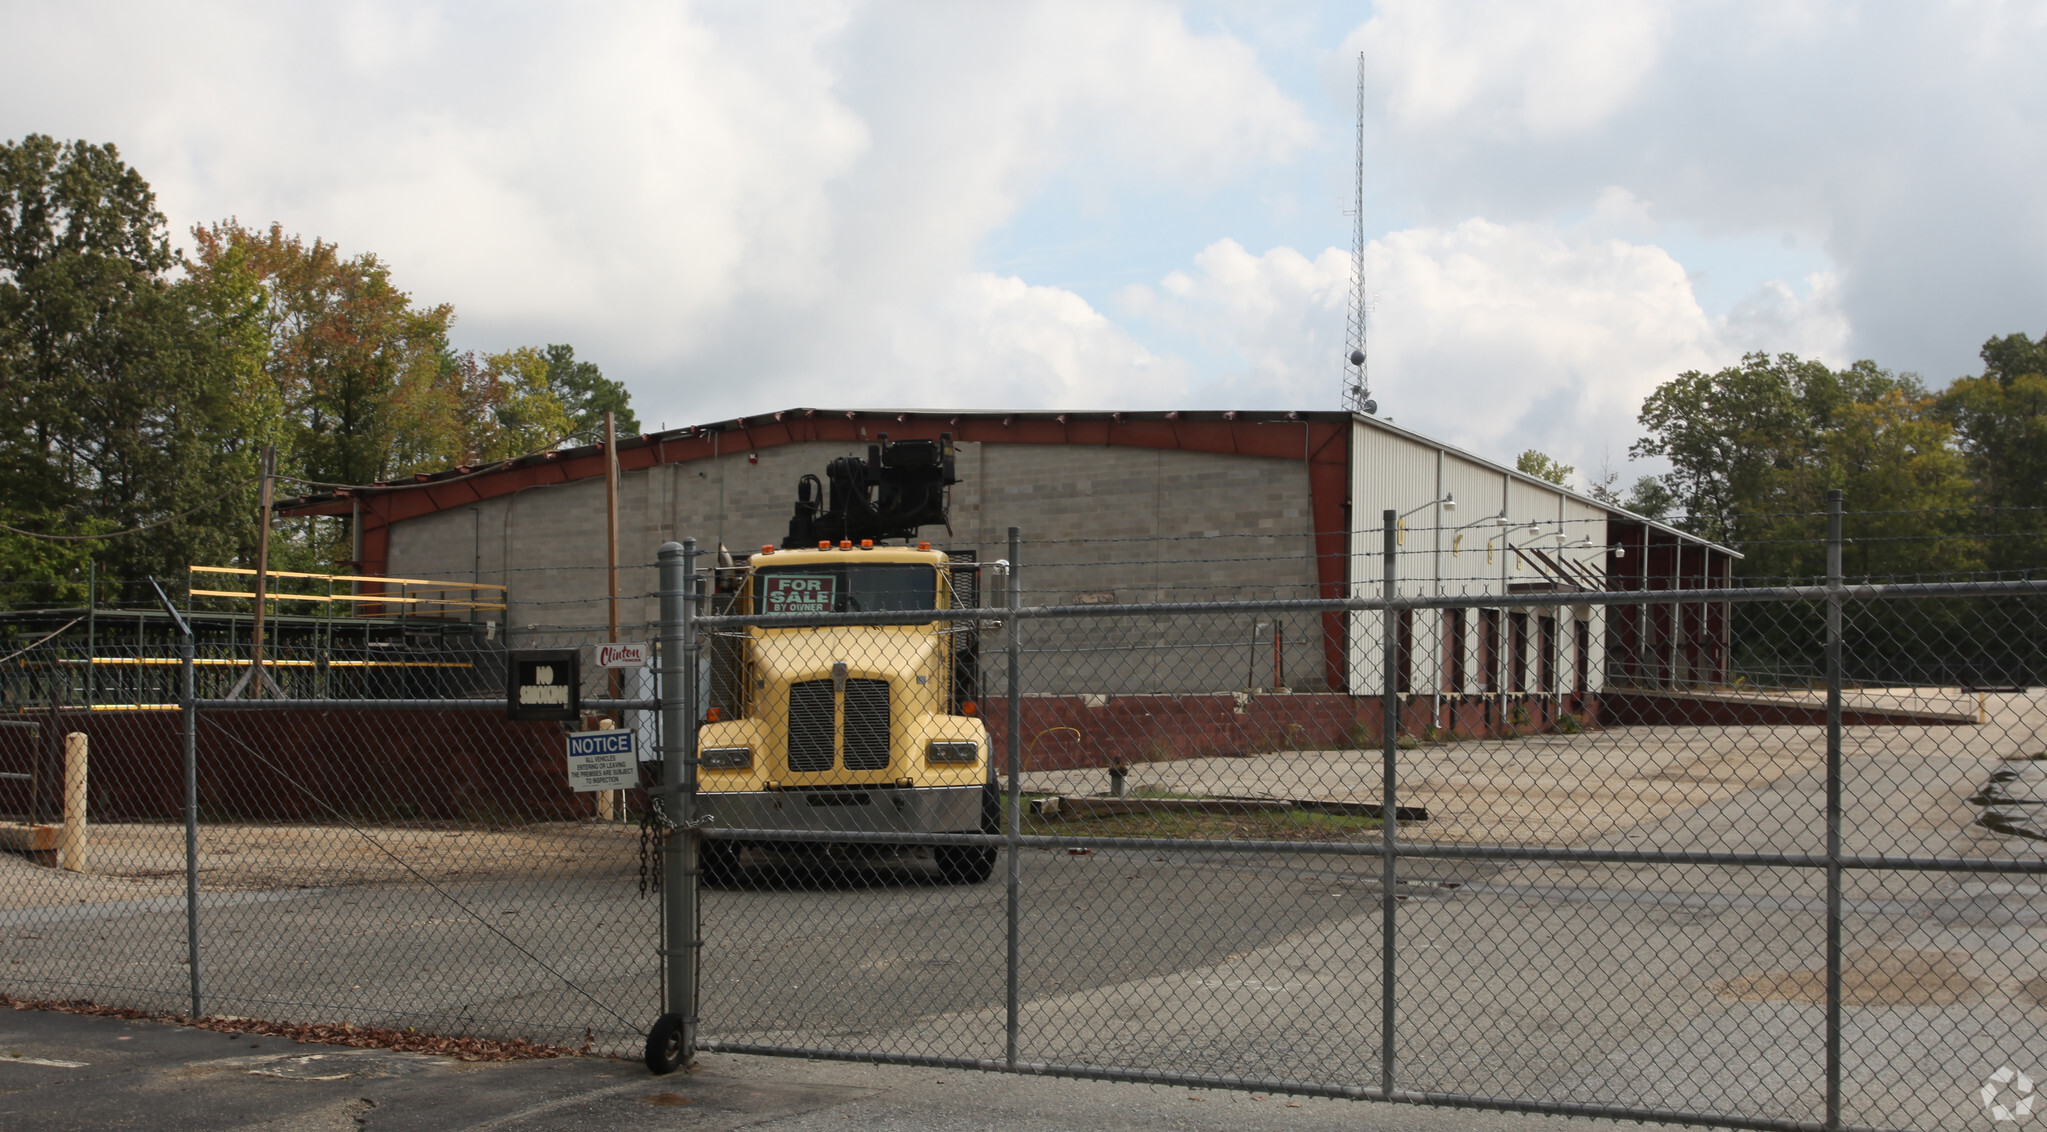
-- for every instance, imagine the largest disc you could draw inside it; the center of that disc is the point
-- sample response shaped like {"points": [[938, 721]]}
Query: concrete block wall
{"points": [[1100, 523]]}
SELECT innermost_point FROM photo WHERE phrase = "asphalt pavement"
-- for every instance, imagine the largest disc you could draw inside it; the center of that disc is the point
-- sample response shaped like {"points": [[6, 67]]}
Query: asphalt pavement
{"points": [[1674, 988], [1671, 987], [66, 1071]]}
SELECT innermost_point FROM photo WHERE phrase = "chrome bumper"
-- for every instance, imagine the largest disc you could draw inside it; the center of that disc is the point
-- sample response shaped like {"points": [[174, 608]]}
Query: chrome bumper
{"points": [[860, 809]]}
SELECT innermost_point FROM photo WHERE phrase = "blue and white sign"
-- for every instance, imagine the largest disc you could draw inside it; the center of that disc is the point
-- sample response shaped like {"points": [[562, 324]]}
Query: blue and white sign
{"points": [[604, 760]]}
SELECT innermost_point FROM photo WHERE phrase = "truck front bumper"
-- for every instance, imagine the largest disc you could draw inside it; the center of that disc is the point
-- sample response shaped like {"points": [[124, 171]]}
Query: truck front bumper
{"points": [[855, 809]]}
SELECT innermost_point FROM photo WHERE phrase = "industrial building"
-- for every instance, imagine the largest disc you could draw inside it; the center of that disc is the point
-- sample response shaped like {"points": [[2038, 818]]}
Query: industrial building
{"points": [[1114, 507]]}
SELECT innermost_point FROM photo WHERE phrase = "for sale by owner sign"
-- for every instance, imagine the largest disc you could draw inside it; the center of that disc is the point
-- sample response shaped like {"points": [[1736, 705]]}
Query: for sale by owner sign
{"points": [[798, 593], [603, 760]]}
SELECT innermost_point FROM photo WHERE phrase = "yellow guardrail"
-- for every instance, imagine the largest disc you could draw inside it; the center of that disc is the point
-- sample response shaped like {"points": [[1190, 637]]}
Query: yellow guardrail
{"points": [[224, 662], [418, 595]]}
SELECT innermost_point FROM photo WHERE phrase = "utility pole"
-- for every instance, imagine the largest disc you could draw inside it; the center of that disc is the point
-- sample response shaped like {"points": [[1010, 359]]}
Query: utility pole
{"points": [[255, 679], [611, 521], [608, 802]]}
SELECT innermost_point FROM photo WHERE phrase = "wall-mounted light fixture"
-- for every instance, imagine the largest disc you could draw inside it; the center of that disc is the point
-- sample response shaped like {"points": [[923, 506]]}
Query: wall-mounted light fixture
{"points": [[1457, 540], [1449, 502]]}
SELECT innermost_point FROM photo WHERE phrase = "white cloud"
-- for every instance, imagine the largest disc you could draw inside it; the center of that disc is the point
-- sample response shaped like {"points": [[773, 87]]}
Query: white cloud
{"points": [[733, 206], [1275, 320], [1496, 337], [996, 342], [1544, 67], [715, 201], [1777, 319], [1899, 142]]}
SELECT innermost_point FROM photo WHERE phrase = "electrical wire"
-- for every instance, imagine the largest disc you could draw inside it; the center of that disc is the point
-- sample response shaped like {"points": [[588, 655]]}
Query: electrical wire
{"points": [[31, 645], [131, 530], [489, 469]]}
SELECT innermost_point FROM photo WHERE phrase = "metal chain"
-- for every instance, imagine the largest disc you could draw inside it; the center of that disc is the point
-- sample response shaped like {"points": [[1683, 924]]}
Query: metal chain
{"points": [[650, 860]]}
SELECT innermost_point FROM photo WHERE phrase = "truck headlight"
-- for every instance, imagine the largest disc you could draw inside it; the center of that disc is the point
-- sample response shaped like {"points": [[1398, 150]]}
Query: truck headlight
{"points": [[957, 753], [725, 758]]}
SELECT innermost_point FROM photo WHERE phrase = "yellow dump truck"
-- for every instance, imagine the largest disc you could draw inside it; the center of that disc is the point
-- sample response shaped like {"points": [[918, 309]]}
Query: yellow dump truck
{"points": [[831, 728]]}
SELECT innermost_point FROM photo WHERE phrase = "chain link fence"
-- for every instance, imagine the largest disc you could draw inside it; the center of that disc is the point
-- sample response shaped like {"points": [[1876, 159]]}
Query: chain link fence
{"points": [[1747, 856], [1753, 857], [354, 833]]}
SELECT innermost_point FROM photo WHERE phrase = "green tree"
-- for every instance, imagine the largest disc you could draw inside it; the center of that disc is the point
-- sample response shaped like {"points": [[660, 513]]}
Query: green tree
{"points": [[2000, 423], [587, 395], [1754, 448], [136, 398], [355, 364], [1729, 436], [485, 408], [120, 386], [1542, 467], [529, 410]]}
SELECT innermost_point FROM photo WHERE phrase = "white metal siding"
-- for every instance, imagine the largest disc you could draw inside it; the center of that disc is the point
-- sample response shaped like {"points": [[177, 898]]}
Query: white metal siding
{"points": [[1460, 552]]}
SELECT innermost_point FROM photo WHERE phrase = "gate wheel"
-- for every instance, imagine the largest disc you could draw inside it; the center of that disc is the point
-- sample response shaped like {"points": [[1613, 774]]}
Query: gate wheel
{"points": [[671, 1044]]}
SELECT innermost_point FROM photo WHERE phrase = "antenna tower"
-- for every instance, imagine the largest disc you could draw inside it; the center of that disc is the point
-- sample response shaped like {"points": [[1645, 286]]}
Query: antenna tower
{"points": [[1357, 389]]}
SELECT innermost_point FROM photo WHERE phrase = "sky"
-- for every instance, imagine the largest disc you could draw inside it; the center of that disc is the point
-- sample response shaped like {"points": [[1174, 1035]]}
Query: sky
{"points": [[737, 208]]}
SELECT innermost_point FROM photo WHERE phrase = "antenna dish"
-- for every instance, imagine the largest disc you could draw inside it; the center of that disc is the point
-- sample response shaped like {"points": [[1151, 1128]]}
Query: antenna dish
{"points": [[1357, 357]]}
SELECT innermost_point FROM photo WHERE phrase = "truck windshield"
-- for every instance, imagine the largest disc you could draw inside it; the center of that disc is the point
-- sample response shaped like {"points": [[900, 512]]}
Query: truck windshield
{"points": [[845, 588]]}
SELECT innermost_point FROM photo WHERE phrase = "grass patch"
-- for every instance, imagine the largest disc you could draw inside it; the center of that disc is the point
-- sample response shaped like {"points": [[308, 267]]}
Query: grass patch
{"points": [[1290, 825]]}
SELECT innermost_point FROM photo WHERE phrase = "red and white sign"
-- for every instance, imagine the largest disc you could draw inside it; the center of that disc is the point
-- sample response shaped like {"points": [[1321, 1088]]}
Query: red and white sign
{"points": [[622, 655]]}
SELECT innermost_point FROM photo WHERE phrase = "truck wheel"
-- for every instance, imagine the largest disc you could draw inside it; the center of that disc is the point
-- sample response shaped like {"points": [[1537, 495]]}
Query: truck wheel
{"points": [[964, 864], [718, 864]]}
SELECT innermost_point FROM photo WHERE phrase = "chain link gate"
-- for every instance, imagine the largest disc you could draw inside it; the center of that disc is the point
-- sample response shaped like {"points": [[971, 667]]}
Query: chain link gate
{"points": [[1724, 856], [372, 843]]}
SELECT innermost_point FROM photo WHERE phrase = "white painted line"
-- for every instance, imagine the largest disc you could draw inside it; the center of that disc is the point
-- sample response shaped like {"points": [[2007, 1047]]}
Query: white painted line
{"points": [[43, 1061]]}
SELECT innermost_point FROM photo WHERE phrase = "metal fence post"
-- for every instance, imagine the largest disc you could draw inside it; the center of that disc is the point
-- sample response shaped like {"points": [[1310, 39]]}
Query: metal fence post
{"points": [[1835, 602], [188, 717], [672, 1042], [1389, 730], [189, 713], [1013, 805]]}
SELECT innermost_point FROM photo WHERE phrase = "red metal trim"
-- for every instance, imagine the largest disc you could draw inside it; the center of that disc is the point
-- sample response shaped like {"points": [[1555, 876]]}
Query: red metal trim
{"points": [[1329, 508]]}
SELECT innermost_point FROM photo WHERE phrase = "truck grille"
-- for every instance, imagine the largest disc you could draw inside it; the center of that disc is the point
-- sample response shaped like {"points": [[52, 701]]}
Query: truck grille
{"points": [[810, 726], [866, 725]]}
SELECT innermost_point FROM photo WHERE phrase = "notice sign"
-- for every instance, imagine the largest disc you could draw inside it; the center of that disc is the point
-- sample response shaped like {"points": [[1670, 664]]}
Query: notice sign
{"points": [[624, 654], [544, 684], [798, 593], [604, 760]]}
